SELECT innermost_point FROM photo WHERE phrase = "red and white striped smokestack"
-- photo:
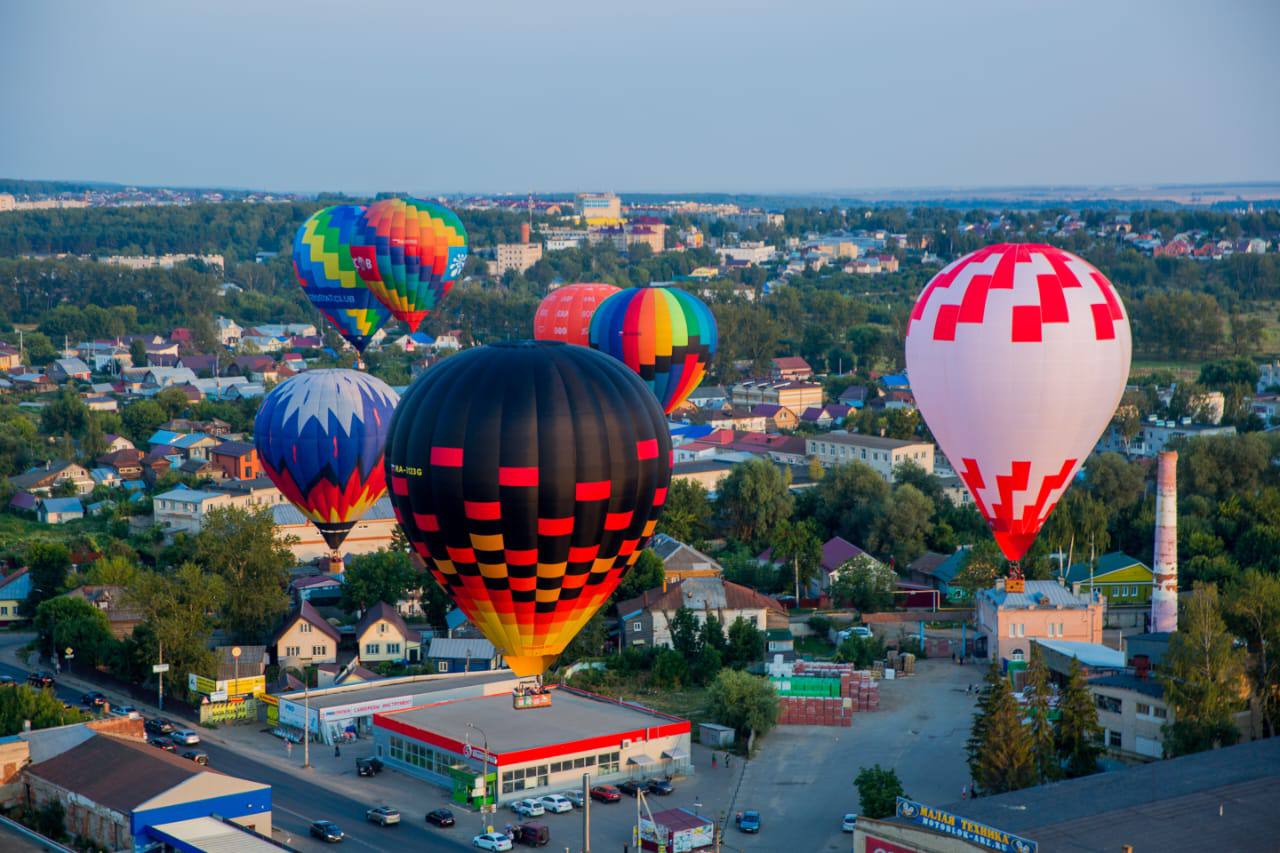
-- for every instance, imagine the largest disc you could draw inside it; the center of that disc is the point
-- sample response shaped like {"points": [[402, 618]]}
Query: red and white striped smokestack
{"points": [[1164, 598]]}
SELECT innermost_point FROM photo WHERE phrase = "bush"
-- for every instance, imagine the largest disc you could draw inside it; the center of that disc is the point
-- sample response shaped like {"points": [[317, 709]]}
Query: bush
{"points": [[50, 820], [820, 625], [878, 791], [860, 651], [670, 669]]}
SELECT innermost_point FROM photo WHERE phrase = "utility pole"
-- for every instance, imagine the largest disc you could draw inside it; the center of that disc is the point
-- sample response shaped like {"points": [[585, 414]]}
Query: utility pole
{"points": [[586, 813], [306, 719], [484, 776], [160, 679]]}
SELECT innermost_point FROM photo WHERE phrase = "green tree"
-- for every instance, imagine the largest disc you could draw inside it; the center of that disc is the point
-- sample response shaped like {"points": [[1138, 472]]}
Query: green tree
{"points": [[42, 708], [1253, 612], [379, 576], [982, 565], [878, 791], [173, 401], [1115, 481], [907, 522], [686, 515], [177, 621], [94, 442], [686, 634], [48, 564], [647, 573], [141, 418], [862, 652], [66, 415], [1044, 747], [138, 352], [1225, 372], [797, 544], [64, 622], [744, 702], [754, 500], [670, 669], [1079, 735], [746, 643], [705, 666], [864, 583], [1000, 757], [242, 548], [1202, 675], [850, 500], [587, 643], [712, 634]]}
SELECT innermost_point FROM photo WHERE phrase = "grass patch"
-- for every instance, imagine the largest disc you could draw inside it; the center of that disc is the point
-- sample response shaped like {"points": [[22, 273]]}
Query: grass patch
{"points": [[16, 531], [814, 647]]}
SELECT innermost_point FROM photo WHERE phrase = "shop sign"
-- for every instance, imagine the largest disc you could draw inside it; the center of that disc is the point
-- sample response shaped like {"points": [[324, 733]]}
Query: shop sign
{"points": [[200, 684], [225, 712], [478, 753], [365, 709], [963, 828]]}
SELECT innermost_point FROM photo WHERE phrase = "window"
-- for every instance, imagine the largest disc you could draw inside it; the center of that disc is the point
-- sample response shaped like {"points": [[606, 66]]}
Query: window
{"points": [[1107, 703], [442, 666], [4, 610], [1013, 630], [1017, 654], [319, 651], [1160, 713], [371, 648], [1022, 629], [393, 648], [305, 627], [292, 651], [382, 627], [1113, 739], [636, 627], [1144, 709]]}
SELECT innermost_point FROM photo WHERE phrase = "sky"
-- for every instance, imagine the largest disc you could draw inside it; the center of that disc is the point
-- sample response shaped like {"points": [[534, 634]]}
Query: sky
{"points": [[440, 96]]}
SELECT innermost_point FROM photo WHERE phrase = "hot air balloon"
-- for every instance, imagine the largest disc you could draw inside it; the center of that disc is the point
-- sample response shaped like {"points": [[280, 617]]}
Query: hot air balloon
{"points": [[1018, 355], [664, 334], [322, 263], [528, 476], [409, 252], [565, 314], [320, 437]]}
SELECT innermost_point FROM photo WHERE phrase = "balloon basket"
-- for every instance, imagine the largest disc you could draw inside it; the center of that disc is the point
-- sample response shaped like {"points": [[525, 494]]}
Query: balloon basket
{"points": [[1015, 582], [530, 693]]}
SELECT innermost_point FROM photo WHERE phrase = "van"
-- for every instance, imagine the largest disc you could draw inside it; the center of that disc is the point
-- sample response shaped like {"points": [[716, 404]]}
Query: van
{"points": [[533, 835]]}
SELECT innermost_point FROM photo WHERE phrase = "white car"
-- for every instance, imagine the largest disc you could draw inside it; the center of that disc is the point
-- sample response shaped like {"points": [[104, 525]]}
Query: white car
{"points": [[185, 737], [861, 631], [575, 797], [850, 823], [528, 808], [556, 803], [491, 841]]}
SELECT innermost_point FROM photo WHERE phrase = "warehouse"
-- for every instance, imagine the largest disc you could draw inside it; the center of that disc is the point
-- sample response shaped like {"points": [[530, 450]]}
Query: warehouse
{"points": [[541, 750], [350, 708]]}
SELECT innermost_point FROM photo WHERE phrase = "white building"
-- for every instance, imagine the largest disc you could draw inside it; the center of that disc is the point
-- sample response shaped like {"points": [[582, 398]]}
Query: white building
{"points": [[751, 253], [373, 532], [186, 510], [884, 455]]}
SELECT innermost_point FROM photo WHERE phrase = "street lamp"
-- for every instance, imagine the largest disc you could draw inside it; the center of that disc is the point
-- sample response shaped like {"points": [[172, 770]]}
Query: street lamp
{"points": [[69, 654], [484, 773]]}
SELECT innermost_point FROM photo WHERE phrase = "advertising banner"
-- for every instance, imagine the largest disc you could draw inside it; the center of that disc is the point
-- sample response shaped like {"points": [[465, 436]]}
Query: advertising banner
{"points": [[244, 710], [961, 827], [879, 845], [365, 709], [200, 684]]}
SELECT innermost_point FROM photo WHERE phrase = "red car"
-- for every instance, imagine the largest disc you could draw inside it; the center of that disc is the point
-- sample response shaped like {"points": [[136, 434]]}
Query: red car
{"points": [[606, 794]]}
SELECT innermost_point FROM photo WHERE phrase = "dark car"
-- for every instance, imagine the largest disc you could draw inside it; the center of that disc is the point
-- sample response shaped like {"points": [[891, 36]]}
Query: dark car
{"points": [[198, 756], [605, 794], [440, 817], [661, 787], [749, 821], [159, 726], [631, 787], [162, 743], [93, 699], [368, 766], [533, 835], [41, 680], [327, 830]]}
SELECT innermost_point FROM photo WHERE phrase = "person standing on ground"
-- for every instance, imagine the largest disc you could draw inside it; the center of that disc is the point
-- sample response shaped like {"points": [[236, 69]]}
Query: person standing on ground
{"points": [[337, 751]]}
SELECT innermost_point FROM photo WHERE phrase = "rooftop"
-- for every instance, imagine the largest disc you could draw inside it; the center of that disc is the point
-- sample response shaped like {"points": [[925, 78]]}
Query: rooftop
{"points": [[1107, 563], [870, 441], [1146, 686], [1036, 594], [1089, 654], [138, 771], [405, 687]]}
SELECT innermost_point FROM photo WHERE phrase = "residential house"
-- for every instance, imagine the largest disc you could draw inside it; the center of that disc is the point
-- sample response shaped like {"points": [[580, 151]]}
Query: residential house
{"points": [[203, 366], [229, 332], [1008, 621], [60, 510], [855, 396], [156, 379], [1125, 581], [938, 571], [42, 480], [14, 590], [10, 357], [236, 459], [1132, 712], [795, 395], [256, 368], [126, 461], [382, 635], [157, 463], [709, 397], [646, 619], [1154, 435], [317, 589], [737, 417], [791, 368], [681, 561], [884, 455], [201, 469], [836, 553], [783, 449], [187, 510], [188, 445], [64, 370], [37, 383], [305, 639], [101, 403], [112, 600], [245, 391], [817, 416], [215, 427], [706, 473], [776, 417], [219, 388], [954, 489], [462, 655], [24, 502]]}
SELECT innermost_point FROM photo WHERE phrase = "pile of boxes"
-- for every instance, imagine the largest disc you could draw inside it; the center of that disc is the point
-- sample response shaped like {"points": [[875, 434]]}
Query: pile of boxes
{"points": [[826, 694]]}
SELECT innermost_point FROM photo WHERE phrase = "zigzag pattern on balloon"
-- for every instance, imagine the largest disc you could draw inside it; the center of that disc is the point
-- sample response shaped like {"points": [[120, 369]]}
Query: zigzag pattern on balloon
{"points": [[324, 267]]}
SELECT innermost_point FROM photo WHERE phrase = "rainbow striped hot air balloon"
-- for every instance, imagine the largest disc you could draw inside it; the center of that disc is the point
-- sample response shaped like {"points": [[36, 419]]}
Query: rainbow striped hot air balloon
{"points": [[320, 437], [409, 253], [323, 266], [664, 334]]}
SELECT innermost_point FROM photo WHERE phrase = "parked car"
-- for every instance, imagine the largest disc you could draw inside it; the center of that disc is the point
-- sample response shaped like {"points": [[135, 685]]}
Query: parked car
{"points": [[861, 631], [41, 681], [749, 821], [606, 794], [491, 841], [575, 797], [159, 726], [184, 737], [198, 756], [126, 711], [631, 787], [440, 817], [383, 816], [327, 830], [528, 808], [368, 766], [162, 743], [850, 823], [661, 787], [556, 803], [533, 835], [93, 699]]}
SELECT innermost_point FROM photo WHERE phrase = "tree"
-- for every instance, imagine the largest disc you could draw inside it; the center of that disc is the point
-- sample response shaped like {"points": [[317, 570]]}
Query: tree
{"points": [[177, 620], [686, 634], [981, 566], [862, 652], [647, 573], [878, 791], [141, 418], [864, 583], [1253, 612], [905, 525], [587, 643], [64, 622], [798, 544], [1115, 481], [753, 500], [744, 702], [1225, 372], [1043, 736], [1202, 675], [706, 664], [686, 515], [94, 443], [746, 643], [204, 334], [712, 634], [1000, 757], [173, 401], [48, 564], [19, 704], [138, 352], [66, 415], [670, 669], [1079, 735], [242, 548], [380, 576], [850, 500]]}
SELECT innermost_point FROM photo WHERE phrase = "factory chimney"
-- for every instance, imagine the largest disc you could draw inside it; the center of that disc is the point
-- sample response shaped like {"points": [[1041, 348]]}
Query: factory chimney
{"points": [[524, 232], [1164, 597]]}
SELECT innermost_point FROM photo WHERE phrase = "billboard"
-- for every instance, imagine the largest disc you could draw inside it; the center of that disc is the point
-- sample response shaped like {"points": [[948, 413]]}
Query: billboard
{"points": [[963, 828]]}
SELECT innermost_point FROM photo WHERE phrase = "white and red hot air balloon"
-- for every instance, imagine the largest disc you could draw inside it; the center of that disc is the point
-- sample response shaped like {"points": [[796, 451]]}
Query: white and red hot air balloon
{"points": [[1018, 354], [565, 313]]}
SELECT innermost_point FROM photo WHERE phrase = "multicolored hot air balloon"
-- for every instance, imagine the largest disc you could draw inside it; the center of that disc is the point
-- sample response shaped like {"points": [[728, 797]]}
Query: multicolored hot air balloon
{"points": [[322, 263], [1018, 355], [664, 334], [565, 313], [409, 252], [320, 437], [528, 476]]}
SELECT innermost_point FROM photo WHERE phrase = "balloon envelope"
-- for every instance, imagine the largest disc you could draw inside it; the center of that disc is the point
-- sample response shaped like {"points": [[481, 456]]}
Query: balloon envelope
{"points": [[528, 477], [565, 313], [320, 437], [665, 335], [323, 266], [1017, 355], [409, 252]]}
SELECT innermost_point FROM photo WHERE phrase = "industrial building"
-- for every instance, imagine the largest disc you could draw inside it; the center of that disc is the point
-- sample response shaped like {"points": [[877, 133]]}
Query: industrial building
{"points": [[451, 743]]}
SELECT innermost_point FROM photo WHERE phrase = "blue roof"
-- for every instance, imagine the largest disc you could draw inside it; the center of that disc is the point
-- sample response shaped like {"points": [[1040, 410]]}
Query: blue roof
{"points": [[950, 567], [62, 505], [455, 618], [16, 587], [289, 514], [895, 380], [100, 474], [134, 485], [164, 436], [190, 440], [1105, 565], [182, 493]]}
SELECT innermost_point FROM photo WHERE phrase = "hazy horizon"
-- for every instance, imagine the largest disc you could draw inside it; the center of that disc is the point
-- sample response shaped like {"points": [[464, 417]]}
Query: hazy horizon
{"points": [[713, 97]]}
